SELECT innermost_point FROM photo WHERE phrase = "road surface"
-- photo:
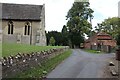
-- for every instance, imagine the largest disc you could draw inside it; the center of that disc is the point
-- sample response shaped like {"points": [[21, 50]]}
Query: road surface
{"points": [[81, 64]]}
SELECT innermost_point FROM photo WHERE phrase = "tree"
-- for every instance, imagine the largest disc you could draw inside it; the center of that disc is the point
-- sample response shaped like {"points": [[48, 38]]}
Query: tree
{"points": [[118, 39], [52, 41], [65, 39], [99, 27], [110, 26], [57, 36], [78, 23], [64, 29], [91, 33]]}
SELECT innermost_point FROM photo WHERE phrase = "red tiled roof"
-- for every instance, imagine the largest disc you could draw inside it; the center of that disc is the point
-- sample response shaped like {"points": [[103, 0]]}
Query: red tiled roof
{"points": [[100, 36]]}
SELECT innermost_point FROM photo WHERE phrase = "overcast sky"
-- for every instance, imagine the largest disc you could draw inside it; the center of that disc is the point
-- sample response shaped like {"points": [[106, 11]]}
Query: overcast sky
{"points": [[56, 10]]}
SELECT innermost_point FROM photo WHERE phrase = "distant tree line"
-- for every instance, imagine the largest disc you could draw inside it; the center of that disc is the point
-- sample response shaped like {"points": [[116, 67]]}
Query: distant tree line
{"points": [[57, 38]]}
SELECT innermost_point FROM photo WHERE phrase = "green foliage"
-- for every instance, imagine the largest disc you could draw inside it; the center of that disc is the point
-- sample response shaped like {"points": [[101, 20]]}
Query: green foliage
{"points": [[118, 39], [91, 33], [78, 23], [52, 41], [64, 30], [13, 49], [110, 26], [94, 51], [48, 66], [57, 36], [65, 39], [0, 49]]}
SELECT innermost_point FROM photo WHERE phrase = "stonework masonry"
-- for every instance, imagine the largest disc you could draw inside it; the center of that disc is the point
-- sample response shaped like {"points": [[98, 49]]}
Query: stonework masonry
{"points": [[36, 19], [21, 62]]}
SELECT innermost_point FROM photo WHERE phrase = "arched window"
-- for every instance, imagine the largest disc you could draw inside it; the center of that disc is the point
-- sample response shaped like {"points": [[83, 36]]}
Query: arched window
{"points": [[27, 28], [10, 27]]}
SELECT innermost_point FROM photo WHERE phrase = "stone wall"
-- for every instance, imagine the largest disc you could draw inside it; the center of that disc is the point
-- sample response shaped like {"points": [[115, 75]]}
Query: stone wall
{"points": [[14, 39], [9, 38], [21, 62]]}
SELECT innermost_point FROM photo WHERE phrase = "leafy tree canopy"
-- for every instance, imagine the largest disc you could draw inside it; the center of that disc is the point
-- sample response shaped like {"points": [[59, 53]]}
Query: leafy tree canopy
{"points": [[79, 21], [110, 26]]}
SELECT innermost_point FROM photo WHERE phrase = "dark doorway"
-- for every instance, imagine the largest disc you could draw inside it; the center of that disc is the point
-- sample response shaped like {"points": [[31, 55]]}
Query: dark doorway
{"points": [[109, 49], [99, 47]]}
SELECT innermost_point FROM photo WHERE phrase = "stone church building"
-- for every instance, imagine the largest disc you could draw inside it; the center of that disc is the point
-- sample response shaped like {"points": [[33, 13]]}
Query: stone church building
{"points": [[23, 23]]}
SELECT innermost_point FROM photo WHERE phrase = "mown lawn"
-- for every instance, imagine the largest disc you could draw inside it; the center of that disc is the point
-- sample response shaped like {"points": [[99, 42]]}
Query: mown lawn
{"points": [[0, 49], [93, 51], [48, 66], [13, 49]]}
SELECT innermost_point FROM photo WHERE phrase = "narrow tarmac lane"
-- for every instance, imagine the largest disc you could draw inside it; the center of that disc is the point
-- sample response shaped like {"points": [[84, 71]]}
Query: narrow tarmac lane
{"points": [[81, 65]]}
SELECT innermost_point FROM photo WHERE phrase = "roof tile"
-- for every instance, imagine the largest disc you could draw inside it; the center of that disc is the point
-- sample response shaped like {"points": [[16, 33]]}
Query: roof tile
{"points": [[21, 11]]}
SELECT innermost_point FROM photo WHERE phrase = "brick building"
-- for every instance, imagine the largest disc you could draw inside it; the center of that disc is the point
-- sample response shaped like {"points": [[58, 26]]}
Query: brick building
{"points": [[100, 41]]}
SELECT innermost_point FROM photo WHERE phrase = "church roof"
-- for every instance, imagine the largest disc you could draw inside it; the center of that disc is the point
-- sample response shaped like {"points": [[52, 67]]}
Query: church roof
{"points": [[21, 11]]}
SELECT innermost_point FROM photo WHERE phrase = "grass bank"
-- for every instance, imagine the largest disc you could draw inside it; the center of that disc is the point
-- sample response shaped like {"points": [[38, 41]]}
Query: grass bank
{"points": [[13, 49], [48, 66]]}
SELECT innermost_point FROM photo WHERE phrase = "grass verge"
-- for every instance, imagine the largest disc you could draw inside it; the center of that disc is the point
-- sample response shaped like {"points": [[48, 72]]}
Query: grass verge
{"points": [[48, 66], [93, 51], [13, 49]]}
